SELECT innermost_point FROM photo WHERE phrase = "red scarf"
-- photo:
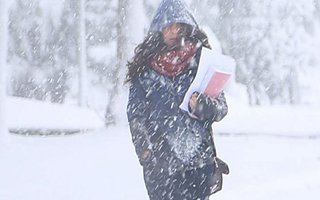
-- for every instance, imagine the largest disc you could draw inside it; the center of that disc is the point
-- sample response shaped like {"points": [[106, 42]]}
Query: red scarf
{"points": [[173, 62]]}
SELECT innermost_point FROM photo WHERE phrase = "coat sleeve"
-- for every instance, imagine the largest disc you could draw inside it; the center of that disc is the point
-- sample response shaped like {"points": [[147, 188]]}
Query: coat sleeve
{"points": [[137, 114], [211, 109]]}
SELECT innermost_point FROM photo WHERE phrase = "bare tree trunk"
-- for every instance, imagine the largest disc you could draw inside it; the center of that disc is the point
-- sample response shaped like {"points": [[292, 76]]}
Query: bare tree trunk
{"points": [[317, 5], [83, 56], [122, 44], [294, 92], [3, 63], [58, 87]]}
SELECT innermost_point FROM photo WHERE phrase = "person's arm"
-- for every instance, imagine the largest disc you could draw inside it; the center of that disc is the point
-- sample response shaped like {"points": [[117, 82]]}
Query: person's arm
{"points": [[137, 112], [206, 108]]}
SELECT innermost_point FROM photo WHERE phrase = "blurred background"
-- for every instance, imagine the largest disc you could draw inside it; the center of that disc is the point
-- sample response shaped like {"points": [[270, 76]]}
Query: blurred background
{"points": [[276, 46]]}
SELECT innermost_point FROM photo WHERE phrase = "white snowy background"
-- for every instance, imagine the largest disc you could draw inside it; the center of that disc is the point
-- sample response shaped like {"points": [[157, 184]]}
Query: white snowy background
{"points": [[272, 147]]}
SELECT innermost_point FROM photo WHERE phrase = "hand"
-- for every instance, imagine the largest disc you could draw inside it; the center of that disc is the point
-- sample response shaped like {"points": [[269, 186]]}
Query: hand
{"points": [[146, 155], [202, 107], [193, 102]]}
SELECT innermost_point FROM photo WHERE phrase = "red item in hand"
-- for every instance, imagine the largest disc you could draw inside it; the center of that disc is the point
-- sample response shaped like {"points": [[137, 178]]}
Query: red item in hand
{"points": [[216, 84]]}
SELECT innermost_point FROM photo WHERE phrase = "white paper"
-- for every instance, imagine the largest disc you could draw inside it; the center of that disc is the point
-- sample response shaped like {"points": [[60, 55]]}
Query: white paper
{"points": [[210, 62]]}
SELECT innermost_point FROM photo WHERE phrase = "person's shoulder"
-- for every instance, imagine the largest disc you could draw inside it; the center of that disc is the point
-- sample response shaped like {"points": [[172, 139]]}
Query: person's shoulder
{"points": [[145, 76]]}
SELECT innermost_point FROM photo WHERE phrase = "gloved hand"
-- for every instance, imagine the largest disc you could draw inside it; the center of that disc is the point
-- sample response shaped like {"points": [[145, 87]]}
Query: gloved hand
{"points": [[145, 155], [141, 140], [202, 107], [146, 158]]}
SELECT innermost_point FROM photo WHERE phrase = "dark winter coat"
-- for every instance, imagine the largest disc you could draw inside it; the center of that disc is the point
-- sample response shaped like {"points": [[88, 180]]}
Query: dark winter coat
{"points": [[157, 123], [176, 140]]}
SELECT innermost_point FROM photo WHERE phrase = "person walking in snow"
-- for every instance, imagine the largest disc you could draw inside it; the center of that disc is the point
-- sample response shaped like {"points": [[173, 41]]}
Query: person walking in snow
{"points": [[176, 150]]}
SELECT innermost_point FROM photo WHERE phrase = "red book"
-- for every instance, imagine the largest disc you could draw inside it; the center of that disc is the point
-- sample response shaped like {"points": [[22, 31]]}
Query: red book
{"points": [[216, 84]]}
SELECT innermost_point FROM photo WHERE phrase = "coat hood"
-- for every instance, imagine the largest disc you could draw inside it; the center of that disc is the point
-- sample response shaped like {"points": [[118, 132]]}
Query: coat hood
{"points": [[169, 12]]}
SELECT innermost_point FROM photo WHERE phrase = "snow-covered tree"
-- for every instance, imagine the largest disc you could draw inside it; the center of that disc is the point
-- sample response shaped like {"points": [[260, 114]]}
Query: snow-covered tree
{"points": [[122, 57], [83, 55], [43, 48], [25, 49], [101, 41], [271, 44], [3, 67]]}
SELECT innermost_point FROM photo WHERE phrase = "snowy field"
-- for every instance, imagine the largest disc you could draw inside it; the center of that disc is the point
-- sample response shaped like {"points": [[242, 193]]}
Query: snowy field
{"points": [[273, 153], [101, 165]]}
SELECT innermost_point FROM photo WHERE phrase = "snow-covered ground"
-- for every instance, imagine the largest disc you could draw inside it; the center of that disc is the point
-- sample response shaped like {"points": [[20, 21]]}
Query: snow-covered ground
{"points": [[102, 165], [273, 153], [264, 168], [26, 113]]}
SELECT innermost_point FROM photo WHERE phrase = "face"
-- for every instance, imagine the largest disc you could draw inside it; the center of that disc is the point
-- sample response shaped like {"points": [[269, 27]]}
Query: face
{"points": [[171, 34]]}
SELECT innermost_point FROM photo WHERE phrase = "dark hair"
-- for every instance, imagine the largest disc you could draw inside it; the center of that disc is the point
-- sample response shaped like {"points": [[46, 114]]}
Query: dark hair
{"points": [[143, 53], [154, 44]]}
